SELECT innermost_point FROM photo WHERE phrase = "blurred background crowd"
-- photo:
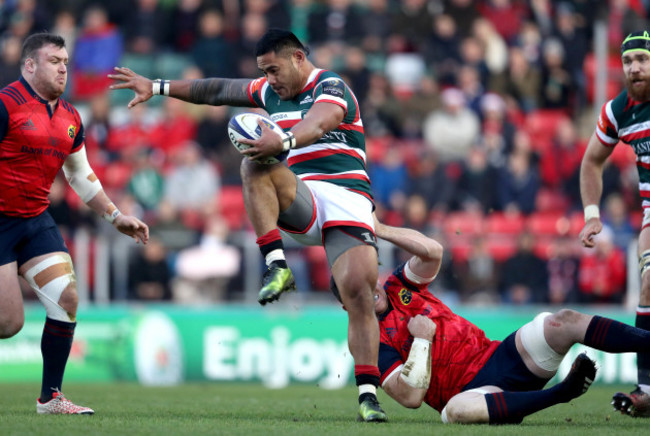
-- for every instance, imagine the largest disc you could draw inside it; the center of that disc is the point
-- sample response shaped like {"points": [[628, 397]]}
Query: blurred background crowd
{"points": [[476, 114]]}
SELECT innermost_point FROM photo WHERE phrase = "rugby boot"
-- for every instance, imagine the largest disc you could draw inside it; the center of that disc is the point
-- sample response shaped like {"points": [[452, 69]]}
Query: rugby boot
{"points": [[276, 280], [636, 403], [371, 411]]}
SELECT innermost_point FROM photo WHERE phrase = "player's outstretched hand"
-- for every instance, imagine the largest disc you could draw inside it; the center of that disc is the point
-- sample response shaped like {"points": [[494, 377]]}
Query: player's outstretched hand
{"points": [[133, 227], [142, 86], [423, 327], [591, 229]]}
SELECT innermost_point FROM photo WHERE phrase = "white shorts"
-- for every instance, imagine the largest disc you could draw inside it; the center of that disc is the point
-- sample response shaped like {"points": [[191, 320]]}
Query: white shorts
{"points": [[331, 206]]}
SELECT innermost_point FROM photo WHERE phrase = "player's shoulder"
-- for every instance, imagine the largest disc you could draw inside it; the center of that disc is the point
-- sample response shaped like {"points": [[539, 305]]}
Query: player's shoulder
{"points": [[619, 104], [14, 94], [69, 107]]}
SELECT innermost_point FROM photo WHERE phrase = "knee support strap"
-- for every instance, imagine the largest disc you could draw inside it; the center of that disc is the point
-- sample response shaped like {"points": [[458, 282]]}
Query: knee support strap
{"points": [[534, 341], [49, 278]]}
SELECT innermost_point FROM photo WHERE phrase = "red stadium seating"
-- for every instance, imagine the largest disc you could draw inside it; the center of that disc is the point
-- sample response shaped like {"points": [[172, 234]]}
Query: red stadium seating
{"points": [[231, 206], [541, 126], [464, 223], [504, 223]]}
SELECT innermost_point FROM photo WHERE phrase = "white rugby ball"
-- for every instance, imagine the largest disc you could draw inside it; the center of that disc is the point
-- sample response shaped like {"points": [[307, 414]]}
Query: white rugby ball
{"points": [[246, 126]]}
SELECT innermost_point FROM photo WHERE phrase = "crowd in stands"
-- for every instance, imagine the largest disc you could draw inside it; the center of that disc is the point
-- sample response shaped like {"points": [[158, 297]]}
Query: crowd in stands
{"points": [[476, 115]]}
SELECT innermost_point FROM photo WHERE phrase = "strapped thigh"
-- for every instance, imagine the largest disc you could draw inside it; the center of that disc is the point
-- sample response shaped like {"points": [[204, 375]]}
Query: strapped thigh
{"points": [[301, 214]]}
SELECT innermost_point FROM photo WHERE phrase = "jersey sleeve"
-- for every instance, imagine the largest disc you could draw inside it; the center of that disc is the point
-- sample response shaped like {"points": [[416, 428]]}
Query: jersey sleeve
{"points": [[331, 90], [606, 130], [4, 120], [389, 361], [79, 138], [256, 91]]}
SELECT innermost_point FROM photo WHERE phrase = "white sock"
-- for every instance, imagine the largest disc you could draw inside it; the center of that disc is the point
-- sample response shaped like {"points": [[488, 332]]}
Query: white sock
{"points": [[277, 254], [367, 389]]}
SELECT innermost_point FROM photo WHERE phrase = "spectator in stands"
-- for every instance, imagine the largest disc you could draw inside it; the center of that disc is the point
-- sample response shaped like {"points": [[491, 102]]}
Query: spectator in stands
{"points": [[524, 276], [404, 67], [560, 160], [517, 183], [617, 218], [424, 100], [494, 120], [382, 113], [356, 71], [430, 179], [98, 48], [413, 20], [192, 185], [200, 278], [10, 48], [212, 52], [522, 80], [476, 186], [375, 24], [212, 136], [557, 85], [146, 27], [335, 21], [149, 273], [174, 127], [505, 15], [442, 51], [463, 12], [147, 183], [253, 26], [390, 177], [125, 139], [562, 268], [184, 23], [575, 45], [451, 131], [469, 82], [472, 54], [98, 129], [602, 272], [494, 46], [478, 275]]}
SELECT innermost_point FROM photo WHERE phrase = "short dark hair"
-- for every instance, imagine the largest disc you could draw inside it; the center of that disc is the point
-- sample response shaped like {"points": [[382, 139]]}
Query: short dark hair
{"points": [[36, 41], [276, 40]]}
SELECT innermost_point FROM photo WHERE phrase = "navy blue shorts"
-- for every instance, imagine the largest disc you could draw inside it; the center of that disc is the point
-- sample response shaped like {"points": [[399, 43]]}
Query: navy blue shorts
{"points": [[507, 370], [22, 239]]}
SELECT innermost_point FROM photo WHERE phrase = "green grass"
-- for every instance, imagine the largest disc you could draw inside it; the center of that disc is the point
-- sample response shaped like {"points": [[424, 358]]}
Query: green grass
{"points": [[229, 409]]}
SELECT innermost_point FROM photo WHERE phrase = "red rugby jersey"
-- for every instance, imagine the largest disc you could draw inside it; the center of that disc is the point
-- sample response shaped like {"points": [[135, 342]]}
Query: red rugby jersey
{"points": [[459, 349], [34, 143]]}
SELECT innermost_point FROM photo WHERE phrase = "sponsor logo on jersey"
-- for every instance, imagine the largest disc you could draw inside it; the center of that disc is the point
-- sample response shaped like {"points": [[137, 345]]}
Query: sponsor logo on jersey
{"points": [[306, 100], [71, 131], [334, 87], [405, 296], [28, 125]]}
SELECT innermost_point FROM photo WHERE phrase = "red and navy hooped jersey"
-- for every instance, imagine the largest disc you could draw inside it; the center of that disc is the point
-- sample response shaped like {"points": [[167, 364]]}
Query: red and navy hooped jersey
{"points": [[34, 143], [459, 349]]}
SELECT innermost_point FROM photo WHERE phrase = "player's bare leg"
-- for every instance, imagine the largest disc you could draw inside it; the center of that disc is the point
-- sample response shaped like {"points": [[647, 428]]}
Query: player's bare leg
{"points": [[355, 273], [267, 190], [52, 278], [12, 315]]}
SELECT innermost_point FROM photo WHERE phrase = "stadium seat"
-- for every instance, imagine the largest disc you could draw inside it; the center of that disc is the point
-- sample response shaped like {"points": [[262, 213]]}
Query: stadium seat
{"points": [[231, 206], [460, 247], [548, 223], [464, 223], [550, 200], [501, 247], [504, 223], [541, 125]]}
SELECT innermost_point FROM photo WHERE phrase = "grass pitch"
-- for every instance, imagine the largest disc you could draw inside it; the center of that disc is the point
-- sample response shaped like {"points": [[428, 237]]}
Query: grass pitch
{"points": [[235, 409]]}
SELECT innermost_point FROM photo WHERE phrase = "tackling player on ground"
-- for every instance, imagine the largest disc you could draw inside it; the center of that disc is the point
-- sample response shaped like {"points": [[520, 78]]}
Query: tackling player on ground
{"points": [[321, 198], [626, 119], [430, 354], [40, 133]]}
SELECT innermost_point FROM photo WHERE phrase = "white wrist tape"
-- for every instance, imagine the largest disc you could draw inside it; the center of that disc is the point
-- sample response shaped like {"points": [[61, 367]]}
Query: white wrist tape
{"points": [[160, 87], [80, 176], [417, 369], [112, 213], [592, 211], [288, 141]]}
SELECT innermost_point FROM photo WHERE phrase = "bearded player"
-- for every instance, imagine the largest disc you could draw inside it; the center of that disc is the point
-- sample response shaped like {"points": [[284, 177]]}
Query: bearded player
{"points": [[626, 118]]}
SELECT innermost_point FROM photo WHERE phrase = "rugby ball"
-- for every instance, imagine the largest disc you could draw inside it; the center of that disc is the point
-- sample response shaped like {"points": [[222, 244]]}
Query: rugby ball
{"points": [[246, 126]]}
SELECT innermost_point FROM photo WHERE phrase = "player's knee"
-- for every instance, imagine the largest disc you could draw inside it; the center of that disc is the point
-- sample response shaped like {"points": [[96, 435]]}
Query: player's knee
{"points": [[460, 412], [11, 325], [564, 316], [69, 300]]}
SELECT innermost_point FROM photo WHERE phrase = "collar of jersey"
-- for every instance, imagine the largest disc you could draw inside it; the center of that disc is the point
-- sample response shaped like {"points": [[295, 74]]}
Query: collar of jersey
{"points": [[31, 91]]}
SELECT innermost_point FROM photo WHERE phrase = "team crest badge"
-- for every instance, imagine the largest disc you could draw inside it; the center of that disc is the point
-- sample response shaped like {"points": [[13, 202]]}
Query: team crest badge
{"points": [[71, 131], [405, 296]]}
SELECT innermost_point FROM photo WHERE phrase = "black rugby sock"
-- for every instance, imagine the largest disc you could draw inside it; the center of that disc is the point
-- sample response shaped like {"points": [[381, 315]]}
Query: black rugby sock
{"points": [[56, 343]]}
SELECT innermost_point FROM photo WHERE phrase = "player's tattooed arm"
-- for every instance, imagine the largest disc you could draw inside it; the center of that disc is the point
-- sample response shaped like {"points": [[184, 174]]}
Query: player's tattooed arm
{"points": [[216, 92]]}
